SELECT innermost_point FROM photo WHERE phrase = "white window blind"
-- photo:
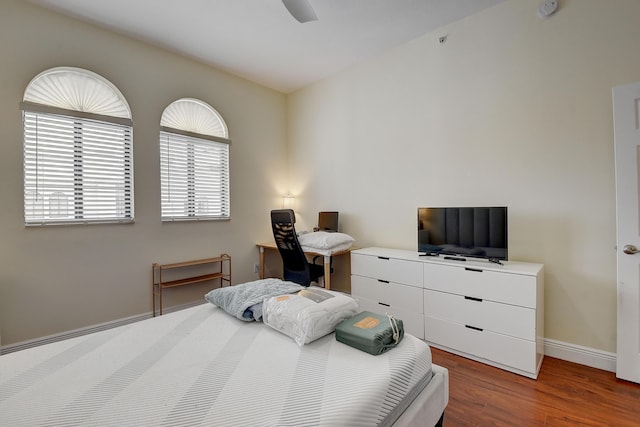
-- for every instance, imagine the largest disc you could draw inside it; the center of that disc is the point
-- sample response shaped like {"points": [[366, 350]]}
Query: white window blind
{"points": [[78, 157], [194, 156], [76, 170], [194, 177]]}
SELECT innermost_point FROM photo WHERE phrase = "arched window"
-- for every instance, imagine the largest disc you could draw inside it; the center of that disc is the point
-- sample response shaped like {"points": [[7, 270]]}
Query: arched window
{"points": [[78, 154], [194, 156]]}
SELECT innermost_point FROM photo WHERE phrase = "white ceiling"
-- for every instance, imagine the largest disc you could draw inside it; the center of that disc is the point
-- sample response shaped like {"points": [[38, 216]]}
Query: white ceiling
{"points": [[260, 41]]}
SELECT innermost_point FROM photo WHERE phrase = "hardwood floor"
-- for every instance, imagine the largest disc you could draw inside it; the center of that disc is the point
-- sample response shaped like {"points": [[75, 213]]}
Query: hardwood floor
{"points": [[565, 394]]}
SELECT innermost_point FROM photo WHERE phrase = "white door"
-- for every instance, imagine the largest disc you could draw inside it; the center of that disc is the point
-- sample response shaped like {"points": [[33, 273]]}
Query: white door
{"points": [[626, 112]]}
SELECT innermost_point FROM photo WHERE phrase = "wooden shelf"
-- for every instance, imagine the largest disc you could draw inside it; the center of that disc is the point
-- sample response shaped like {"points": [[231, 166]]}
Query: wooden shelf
{"points": [[190, 280], [221, 263]]}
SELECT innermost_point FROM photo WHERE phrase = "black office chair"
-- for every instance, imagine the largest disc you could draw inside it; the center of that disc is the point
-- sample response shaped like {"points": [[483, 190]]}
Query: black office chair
{"points": [[296, 268]]}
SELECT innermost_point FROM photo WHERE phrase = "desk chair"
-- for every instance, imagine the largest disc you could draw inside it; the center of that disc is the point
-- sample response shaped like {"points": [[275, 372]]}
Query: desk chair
{"points": [[295, 266]]}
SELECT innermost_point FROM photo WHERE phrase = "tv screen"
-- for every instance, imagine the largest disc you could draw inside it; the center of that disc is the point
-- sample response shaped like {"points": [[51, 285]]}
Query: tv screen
{"points": [[479, 232]]}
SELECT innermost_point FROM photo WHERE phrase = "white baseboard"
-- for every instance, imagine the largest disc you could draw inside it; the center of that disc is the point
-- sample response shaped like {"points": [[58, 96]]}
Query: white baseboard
{"points": [[578, 354], [88, 330]]}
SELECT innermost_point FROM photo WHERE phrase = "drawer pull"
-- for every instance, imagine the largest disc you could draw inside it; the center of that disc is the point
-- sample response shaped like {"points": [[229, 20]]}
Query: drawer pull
{"points": [[477, 270], [386, 258], [475, 328], [473, 299], [386, 305], [383, 281]]}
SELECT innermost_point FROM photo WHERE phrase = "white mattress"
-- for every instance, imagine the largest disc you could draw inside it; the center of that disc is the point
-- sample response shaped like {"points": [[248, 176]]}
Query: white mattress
{"points": [[201, 366]]}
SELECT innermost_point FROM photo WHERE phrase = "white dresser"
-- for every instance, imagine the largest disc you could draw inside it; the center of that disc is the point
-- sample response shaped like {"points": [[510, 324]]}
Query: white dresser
{"points": [[484, 311]]}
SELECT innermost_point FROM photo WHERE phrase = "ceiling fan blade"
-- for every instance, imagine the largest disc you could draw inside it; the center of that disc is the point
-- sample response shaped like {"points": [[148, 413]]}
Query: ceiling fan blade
{"points": [[301, 10]]}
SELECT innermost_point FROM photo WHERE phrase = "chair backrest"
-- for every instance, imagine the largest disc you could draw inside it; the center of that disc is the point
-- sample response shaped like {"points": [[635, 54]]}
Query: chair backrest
{"points": [[294, 262], [328, 221]]}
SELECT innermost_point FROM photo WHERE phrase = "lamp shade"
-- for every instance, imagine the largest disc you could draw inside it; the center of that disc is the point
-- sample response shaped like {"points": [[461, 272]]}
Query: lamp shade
{"points": [[287, 201]]}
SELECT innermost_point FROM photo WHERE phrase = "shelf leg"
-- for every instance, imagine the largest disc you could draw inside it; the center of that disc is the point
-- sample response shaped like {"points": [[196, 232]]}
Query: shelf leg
{"points": [[160, 289], [153, 289]]}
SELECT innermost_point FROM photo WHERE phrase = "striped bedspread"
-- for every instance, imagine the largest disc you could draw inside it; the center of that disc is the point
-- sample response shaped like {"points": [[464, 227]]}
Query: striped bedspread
{"points": [[201, 366]]}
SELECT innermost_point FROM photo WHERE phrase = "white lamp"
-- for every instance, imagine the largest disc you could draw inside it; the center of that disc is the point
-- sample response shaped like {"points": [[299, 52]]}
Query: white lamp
{"points": [[287, 201]]}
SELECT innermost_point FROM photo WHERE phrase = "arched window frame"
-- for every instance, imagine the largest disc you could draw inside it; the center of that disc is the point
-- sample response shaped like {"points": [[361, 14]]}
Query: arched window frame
{"points": [[194, 162], [77, 147]]}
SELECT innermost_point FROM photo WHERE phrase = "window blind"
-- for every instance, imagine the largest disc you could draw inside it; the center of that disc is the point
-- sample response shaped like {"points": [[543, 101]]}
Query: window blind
{"points": [[76, 170], [194, 177]]}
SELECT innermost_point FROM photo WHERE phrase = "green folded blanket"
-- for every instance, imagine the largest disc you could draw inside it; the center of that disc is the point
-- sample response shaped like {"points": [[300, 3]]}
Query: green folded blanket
{"points": [[370, 332]]}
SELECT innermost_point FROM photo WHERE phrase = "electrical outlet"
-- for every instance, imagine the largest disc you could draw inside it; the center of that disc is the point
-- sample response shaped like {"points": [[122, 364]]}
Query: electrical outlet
{"points": [[256, 268]]}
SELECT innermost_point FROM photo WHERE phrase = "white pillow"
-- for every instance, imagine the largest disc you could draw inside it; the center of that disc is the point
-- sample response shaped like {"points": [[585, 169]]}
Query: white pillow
{"points": [[328, 252], [308, 315], [324, 240]]}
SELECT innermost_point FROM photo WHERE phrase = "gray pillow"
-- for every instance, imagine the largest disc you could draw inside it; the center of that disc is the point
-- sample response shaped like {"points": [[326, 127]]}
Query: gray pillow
{"points": [[244, 301]]}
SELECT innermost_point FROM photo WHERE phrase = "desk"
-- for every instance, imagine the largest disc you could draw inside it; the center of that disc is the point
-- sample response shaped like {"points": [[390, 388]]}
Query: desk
{"points": [[327, 260]]}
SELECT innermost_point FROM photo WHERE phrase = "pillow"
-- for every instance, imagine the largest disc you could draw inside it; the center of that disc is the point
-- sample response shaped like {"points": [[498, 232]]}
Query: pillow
{"points": [[308, 315], [327, 252], [244, 301], [324, 240]]}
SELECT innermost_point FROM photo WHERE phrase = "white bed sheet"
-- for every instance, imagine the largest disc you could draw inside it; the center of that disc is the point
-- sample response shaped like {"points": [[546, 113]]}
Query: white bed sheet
{"points": [[201, 366]]}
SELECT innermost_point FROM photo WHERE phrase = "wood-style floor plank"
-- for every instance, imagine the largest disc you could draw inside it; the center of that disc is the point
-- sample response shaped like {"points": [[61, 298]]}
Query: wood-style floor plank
{"points": [[565, 394]]}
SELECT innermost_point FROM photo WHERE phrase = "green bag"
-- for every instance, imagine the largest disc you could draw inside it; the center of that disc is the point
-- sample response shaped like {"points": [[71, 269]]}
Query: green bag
{"points": [[370, 332]]}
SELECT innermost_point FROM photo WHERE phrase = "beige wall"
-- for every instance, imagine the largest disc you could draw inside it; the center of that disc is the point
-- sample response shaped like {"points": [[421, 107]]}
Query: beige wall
{"points": [[511, 110], [57, 279]]}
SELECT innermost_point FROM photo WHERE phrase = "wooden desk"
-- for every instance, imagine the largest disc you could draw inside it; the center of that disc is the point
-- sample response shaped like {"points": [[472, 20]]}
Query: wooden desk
{"points": [[327, 260]]}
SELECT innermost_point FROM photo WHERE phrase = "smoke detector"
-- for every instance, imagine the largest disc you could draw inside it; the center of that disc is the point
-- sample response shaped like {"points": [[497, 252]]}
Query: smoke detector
{"points": [[547, 8]]}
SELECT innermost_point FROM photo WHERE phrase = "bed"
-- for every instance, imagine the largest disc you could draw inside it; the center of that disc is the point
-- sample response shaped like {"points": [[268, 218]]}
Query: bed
{"points": [[201, 366]]}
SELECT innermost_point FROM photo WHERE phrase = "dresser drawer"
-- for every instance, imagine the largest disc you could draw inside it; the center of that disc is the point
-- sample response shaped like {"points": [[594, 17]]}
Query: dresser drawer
{"points": [[513, 320], [510, 288], [388, 294], [389, 269], [412, 321], [493, 347]]}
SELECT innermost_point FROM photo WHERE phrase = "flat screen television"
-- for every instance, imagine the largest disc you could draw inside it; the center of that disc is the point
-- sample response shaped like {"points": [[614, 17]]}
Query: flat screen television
{"points": [[478, 232]]}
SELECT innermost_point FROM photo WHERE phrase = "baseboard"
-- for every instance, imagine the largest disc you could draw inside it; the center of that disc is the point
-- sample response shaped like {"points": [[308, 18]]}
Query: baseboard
{"points": [[88, 330], [578, 354]]}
